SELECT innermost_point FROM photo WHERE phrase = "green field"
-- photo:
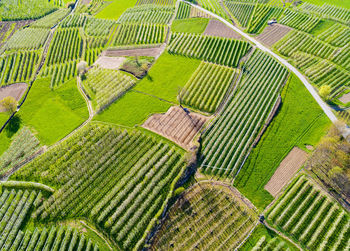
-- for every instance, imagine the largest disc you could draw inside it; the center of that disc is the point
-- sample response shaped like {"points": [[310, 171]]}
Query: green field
{"points": [[116, 9], [262, 231], [132, 109], [167, 76], [190, 25], [53, 114], [299, 122], [339, 3]]}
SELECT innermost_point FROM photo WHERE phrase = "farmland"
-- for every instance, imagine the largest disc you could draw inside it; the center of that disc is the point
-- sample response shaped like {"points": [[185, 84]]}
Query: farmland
{"points": [[206, 216], [106, 86], [174, 125], [235, 136], [311, 217]]}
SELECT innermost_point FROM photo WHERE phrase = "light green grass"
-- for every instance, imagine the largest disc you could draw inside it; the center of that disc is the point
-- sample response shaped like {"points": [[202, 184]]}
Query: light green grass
{"points": [[190, 25], [321, 27], [116, 9], [299, 122], [4, 139], [339, 3], [53, 114], [132, 109], [167, 76], [259, 232]]}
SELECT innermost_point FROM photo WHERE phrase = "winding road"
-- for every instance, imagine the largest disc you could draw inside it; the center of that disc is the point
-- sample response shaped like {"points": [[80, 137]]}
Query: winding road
{"points": [[327, 110]]}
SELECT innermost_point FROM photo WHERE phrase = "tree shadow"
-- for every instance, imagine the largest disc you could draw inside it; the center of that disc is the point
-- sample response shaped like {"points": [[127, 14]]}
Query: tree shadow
{"points": [[149, 77], [13, 126]]}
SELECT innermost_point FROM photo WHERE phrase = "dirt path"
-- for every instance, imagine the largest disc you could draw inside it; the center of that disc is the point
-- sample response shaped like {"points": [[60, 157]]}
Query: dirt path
{"points": [[282, 235], [96, 232]]}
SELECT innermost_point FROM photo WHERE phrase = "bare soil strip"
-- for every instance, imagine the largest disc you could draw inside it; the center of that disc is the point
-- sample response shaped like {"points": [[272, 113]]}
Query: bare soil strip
{"points": [[176, 125], [147, 52], [287, 169], [217, 28], [16, 91], [113, 63], [272, 34], [345, 98]]}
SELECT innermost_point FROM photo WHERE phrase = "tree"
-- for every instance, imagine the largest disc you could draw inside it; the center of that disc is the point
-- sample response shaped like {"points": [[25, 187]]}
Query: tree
{"points": [[9, 104], [325, 90], [82, 67]]}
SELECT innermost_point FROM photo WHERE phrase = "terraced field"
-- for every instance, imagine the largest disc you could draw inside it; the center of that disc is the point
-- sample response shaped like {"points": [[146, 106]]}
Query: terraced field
{"points": [[156, 124]]}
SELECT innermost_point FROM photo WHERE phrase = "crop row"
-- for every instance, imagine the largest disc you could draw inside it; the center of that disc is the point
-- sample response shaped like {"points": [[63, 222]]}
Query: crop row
{"points": [[322, 72], [218, 50], [310, 217], [207, 86], [147, 14], [157, 2], [272, 244], [29, 38], [74, 20], [298, 20], [104, 86], [214, 6], [183, 11], [130, 34], [228, 141], [51, 19], [98, 27], [14, 207], [66, 45], [330, 11], [208, 218], [261, 15], [91, 55], [61, 238], [26, 9], [121, 180], [342, 57], [336, 35], [18, 67], [60, 73], [300, 41], [241, 11], [23, 146]]}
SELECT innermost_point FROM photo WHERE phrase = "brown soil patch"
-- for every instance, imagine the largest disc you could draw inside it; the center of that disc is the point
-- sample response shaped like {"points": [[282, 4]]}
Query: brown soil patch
{"points": [[176, 125], [345, 98], [146, 52], [113, 63], [287, 169], [272, 34], [16, 91], [217, 28]]}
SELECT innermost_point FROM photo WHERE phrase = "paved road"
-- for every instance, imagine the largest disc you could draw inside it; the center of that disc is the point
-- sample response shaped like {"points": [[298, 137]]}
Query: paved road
{"points": [[308, 86]]}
